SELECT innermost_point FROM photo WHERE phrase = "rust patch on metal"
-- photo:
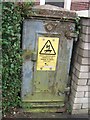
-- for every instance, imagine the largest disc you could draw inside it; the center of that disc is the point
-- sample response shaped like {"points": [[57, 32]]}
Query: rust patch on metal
{"points": [[50, 26]]}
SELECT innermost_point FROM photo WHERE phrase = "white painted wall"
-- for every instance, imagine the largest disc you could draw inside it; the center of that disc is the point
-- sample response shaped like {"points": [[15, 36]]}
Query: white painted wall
{"points": [[83, 13], [67, 4], [42, 2]]}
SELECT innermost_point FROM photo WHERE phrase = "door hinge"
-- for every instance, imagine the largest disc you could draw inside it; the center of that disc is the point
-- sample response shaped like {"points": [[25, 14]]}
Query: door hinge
{"points": [[67, 90], [70, 35]]}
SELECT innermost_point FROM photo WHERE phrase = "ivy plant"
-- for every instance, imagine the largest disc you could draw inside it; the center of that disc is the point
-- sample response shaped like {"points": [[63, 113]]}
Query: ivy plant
{"points": [[12, 18]]}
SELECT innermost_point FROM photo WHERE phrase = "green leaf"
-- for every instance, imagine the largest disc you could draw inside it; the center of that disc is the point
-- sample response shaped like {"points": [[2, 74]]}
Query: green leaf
{"points": [[13, 16]]}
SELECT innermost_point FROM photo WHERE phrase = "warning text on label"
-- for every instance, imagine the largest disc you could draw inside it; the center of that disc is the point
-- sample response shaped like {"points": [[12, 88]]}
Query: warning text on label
{"points": [[47, 53]]}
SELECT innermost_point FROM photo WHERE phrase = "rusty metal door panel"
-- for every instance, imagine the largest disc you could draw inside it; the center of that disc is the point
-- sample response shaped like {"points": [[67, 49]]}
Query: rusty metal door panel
{"points": [[45, 85], [28, 45]]}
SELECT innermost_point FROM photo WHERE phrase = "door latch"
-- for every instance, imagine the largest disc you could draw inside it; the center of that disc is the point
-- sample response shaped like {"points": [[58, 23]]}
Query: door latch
{"points": [[34, 56]]}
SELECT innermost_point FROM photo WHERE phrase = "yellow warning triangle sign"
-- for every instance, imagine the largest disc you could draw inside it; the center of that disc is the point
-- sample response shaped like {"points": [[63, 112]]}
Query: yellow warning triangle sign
{"points": [[48, 49]]}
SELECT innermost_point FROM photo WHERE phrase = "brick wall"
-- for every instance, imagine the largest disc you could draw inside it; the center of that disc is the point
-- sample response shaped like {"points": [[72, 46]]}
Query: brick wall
{"points": [[80, 92], [77, 6], [80, 0]]}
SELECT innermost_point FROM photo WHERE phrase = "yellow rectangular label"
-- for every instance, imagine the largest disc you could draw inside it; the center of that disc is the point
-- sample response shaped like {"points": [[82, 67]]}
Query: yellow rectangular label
{"points": [[47, 53]]}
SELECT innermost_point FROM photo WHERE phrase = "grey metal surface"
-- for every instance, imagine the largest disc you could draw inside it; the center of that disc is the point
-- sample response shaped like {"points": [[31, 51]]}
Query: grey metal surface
{"points": [[32, 29]]}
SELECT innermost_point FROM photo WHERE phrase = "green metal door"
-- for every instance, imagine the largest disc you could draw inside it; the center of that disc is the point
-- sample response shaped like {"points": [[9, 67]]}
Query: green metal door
{"points": [[44, 85]]}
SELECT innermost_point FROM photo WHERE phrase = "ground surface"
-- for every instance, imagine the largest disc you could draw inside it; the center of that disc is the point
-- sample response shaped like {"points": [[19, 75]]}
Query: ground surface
{"points": [[21, 114]]}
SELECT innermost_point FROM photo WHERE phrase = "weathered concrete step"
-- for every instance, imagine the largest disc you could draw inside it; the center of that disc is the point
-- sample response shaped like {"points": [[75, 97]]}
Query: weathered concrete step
{"points": [[42, 104], [43, 107], [45, 110]]}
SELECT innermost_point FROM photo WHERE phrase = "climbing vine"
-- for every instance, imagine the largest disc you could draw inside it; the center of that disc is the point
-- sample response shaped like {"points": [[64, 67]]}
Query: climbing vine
{"points": [[12, 18], [78, 26]]}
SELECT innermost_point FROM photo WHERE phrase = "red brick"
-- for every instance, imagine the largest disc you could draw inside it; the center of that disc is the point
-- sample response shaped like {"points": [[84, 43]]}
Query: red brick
{"points": [[79, 6]]}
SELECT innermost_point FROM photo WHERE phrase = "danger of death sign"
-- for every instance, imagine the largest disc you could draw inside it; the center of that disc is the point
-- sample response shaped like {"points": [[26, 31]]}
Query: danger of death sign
{"points": [[47, 53]]}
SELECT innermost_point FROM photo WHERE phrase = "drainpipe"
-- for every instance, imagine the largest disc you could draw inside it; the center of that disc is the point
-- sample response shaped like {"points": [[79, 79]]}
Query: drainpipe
{"points": [[42, 2], [67, 4]]}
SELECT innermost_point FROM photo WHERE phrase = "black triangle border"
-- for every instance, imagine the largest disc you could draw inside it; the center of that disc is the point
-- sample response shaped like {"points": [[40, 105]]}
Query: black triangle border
{"points": [[44, 46]]}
